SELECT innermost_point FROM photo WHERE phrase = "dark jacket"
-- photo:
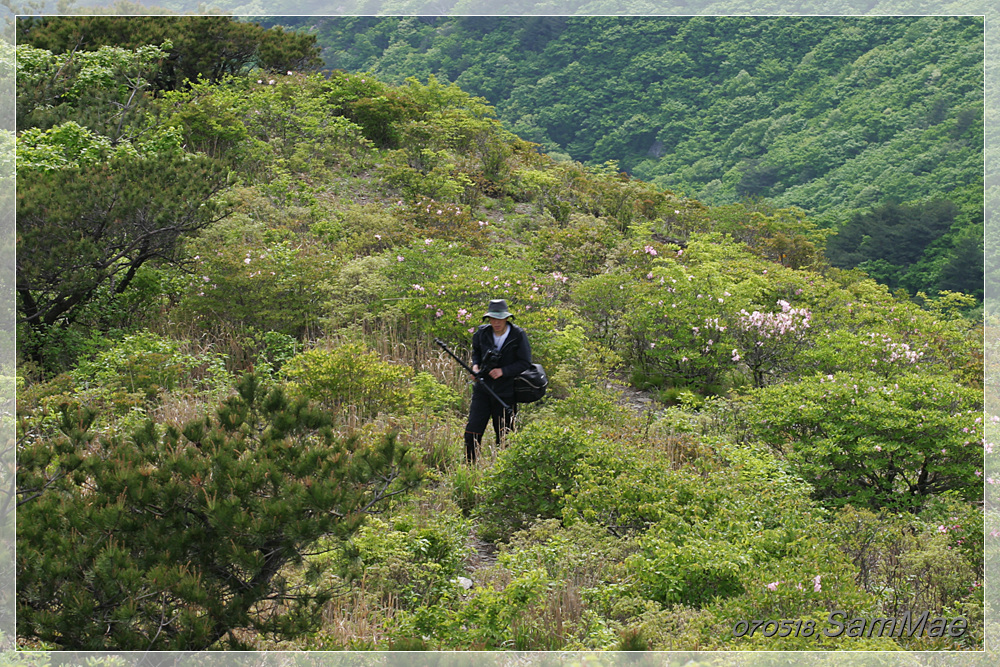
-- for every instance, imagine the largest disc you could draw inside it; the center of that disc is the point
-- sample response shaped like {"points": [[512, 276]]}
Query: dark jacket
{"points": [[515, 357]]}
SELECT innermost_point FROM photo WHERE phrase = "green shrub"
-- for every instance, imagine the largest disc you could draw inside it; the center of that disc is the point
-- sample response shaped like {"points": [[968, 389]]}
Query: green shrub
{"points": [[579, 248], [911, 563], [148, 364], [448, 222], [246, 275], [410, 562], [349, 375], [531, 475], [363, 230], [429, 395], [868, 441]]}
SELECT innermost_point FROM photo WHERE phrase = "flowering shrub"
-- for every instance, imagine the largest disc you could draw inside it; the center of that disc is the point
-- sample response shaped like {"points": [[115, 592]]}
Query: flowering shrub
{"points": [[767, 343], [445, 221], [914, 563], [674, 331], [242, 276], [579, 247], [446, 291]]}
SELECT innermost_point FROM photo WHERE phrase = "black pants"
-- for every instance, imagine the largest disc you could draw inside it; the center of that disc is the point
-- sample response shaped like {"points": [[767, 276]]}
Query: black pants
{"points": [[483, 408]]}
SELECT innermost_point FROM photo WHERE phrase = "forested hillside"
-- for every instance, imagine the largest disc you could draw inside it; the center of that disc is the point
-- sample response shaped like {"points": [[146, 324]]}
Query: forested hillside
{"points": [[234, 429], [846, 118]]}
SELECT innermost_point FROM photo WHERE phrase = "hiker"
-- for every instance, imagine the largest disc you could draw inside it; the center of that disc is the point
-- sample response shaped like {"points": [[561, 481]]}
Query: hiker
{"points": [[501, 351]]}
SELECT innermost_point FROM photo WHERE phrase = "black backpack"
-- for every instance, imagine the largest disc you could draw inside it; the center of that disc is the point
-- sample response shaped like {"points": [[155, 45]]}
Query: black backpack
{"points": [[530, 385]]}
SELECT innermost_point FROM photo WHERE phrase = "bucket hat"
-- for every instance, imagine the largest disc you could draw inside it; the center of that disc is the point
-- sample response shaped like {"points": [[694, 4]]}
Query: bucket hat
{"points": [[498, 309]]}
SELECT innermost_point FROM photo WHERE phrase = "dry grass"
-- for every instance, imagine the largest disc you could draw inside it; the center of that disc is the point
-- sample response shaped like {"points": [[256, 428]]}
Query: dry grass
{"points": [[178, 409], [357, 620]]}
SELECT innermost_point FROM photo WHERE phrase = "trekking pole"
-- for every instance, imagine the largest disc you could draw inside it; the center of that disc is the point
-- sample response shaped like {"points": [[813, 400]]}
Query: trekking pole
{"points": [[479, 379]]}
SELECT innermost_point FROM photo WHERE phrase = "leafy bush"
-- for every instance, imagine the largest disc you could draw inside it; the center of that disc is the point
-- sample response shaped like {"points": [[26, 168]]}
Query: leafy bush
{"points": [[911, 563], [447, 222], [148, 364], [363, 230], [245, 275], [429, 395], [578, 248], [444, 290], [411, 562], [349, 376], [863, 440], [530, 476]]}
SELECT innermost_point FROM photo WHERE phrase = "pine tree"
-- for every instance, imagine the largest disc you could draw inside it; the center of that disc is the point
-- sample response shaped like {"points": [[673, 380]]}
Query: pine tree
{"points": [[176, 538]]}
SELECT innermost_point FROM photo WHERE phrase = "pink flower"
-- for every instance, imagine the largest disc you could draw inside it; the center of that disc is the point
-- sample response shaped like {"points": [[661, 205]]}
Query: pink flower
{"points": [[399, 258], [816, 586], [773, 586]]}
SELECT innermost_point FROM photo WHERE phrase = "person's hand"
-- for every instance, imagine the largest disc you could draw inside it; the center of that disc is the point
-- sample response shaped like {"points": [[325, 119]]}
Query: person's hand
{"points": [[475, 371], [496, 373]]}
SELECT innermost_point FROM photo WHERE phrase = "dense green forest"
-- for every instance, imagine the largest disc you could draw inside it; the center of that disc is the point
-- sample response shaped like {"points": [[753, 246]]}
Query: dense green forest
{"points": [[846, 118], [550, 7], [234, 429]]}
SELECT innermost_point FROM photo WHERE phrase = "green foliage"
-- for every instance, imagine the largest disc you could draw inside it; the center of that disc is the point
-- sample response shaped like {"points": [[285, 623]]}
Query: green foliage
{"points": [[442, 289], [361, 231], [863, 440], [824, 114], [106, 221], [447, 222], [198, 47], [269, 128], [913, 563], [414, 560], [249, 272], [374, 106], [148, 364], [429, 395], [531, 475], [579, 248], [349, 376], [572, 360], [104, 89], [103, 565]]}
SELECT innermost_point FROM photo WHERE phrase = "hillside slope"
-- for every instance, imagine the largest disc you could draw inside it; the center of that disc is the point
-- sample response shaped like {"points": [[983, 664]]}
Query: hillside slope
{"points": [[837, 116]]}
